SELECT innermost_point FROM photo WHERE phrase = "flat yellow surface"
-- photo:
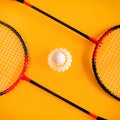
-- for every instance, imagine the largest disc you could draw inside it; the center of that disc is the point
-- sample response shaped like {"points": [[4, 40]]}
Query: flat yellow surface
{"points": [[78, 84]]}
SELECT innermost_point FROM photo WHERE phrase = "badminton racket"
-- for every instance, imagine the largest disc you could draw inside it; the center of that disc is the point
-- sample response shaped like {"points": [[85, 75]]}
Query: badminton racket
{"points": [[13, 64], [106, 58]]}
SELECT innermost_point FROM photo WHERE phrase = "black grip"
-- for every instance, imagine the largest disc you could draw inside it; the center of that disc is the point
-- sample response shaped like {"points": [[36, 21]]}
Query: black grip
{"points": [[20, 1], [100, 118]]}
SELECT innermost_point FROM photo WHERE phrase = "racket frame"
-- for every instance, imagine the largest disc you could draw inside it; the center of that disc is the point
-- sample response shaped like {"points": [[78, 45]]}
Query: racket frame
{"points": [[94, 61], [26, 58]]}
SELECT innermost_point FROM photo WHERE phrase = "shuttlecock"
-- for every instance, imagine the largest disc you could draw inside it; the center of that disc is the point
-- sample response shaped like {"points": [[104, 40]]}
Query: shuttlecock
{"points": [[59, 59]]}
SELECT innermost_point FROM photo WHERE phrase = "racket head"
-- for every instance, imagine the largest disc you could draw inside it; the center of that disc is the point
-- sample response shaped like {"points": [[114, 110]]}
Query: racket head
{"points": [[106, 61], [13, 58]]}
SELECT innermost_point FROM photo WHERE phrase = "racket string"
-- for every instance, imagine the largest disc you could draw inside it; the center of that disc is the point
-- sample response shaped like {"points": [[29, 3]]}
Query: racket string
{"points": [[12, 57], [108, 62]]}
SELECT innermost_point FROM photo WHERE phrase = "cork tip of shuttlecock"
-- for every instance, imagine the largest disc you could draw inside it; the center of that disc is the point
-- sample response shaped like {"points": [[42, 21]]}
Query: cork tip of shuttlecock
{"points": [[59, 59]]}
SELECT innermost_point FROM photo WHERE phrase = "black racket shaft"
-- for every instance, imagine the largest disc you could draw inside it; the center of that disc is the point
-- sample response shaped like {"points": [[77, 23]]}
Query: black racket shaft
{"points": [[66, 100], [59, 21]]}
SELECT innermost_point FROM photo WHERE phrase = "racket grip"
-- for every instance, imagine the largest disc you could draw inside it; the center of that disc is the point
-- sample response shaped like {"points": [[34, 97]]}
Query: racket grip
{"points": [[100, 118]]}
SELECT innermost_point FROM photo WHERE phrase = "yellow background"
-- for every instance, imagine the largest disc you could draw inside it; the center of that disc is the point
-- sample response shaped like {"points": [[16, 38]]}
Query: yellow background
{"points": [[78, 84]]}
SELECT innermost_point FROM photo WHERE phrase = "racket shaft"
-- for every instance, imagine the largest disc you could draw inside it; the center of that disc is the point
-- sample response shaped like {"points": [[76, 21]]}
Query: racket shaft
{"points": [[66, 100], [59, 21]]}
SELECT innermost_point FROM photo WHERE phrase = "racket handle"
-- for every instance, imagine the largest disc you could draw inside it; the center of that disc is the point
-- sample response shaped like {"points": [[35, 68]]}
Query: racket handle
{"points": [[66, 100], [100, 118]]}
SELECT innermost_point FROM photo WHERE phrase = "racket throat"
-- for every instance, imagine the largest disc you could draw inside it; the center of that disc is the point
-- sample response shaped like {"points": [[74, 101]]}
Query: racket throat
{"points": [[25, 78], [94, 40]]}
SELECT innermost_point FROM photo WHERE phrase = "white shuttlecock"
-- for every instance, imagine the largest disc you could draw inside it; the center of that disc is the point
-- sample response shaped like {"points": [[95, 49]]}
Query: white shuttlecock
{"points": [[59, 59]]}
